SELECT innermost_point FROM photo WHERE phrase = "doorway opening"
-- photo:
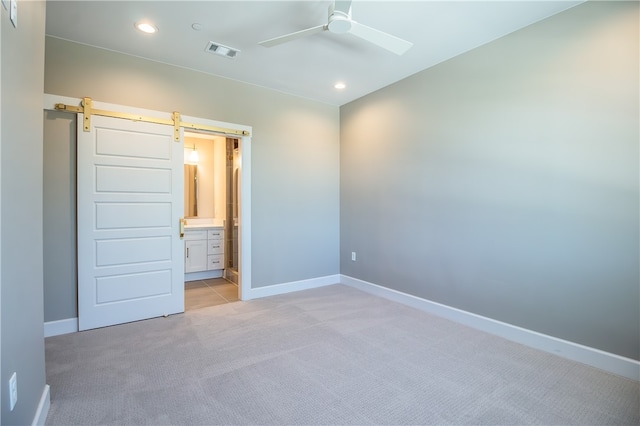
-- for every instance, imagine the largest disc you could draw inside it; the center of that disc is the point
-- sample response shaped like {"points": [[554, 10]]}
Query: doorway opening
{"points": [[212, 195]]}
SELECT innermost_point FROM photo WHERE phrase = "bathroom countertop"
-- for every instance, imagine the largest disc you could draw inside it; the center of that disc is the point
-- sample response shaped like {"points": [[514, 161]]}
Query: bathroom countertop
{"points": [[203, 223], [202, 226]]}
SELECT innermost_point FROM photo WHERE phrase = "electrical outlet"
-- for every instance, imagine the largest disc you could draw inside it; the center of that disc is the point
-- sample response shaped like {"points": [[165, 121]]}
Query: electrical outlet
{"points": [[13, 391], [353, 256]]}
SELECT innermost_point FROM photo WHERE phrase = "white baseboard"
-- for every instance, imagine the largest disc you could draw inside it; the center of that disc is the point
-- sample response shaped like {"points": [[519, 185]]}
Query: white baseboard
{"points": [[612, 363], [272, 290], [43, 407], [65, 326], [70, 325]]}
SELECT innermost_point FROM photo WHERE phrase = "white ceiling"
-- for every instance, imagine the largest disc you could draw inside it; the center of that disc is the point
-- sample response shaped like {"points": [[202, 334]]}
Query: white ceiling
{"points": [[307, 67]]}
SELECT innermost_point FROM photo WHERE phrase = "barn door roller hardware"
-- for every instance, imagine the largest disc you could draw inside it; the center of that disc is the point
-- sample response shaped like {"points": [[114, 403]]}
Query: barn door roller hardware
{"points": [[88, 110]]}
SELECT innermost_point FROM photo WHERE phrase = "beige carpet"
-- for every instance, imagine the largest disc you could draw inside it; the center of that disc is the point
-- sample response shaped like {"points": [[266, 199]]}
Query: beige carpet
{"points": [[332, 355]]}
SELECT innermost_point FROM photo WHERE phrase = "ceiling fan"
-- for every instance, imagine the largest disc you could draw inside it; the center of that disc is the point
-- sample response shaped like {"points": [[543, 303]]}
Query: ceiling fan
{"points": [[340, 22]]}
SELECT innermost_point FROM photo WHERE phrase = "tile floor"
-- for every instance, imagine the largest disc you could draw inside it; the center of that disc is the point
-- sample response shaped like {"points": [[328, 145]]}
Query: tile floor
{"points": [[210, 292]]}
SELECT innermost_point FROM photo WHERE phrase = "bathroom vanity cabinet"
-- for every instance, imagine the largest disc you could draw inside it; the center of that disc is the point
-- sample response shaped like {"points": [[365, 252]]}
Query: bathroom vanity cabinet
{"points": [[215, 249], [204, 252]]}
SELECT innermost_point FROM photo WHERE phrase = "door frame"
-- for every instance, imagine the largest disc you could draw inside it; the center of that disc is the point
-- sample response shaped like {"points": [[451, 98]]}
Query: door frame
{"points": [[244, 214]]}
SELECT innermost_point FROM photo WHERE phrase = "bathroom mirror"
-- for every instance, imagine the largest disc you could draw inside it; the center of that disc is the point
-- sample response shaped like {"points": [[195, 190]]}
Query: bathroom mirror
{"points": [[190, 190]]}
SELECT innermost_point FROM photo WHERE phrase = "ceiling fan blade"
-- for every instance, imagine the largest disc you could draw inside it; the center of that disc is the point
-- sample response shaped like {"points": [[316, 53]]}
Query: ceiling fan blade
{"points": [[293, 36], [343, 6], [379, 38]]}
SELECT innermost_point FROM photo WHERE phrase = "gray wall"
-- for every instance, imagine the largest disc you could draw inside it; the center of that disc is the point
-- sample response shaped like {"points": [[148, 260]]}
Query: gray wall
{"points": [[504, 182], [59, 204], [295, 158], [22, 52]]}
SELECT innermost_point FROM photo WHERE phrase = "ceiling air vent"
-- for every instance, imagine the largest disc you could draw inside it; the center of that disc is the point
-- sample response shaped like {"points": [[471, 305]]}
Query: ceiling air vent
{"points": [[222, 50]]}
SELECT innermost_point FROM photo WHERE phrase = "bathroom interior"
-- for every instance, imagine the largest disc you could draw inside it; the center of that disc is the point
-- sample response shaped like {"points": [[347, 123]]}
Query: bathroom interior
{"points": [[211, 165]]}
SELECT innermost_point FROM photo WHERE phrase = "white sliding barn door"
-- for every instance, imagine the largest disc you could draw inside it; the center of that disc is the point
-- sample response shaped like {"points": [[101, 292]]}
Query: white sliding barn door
{"points": [[130, 195]]}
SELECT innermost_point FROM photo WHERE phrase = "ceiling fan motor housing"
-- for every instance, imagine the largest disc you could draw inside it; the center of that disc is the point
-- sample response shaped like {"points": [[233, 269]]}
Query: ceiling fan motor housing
{"points": [[339, 22]]}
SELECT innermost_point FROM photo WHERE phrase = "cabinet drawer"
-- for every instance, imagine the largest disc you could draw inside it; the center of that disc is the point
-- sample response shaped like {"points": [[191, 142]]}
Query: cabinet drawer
{"points": [[215, 247], [216, 234], [195, 235], [215, 261]]}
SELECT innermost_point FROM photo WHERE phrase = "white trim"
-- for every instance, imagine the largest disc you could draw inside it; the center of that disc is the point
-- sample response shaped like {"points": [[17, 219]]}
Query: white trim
{"points": [[43, 407], [292, 286], [244, 224], [56, 328], [612, 363]]}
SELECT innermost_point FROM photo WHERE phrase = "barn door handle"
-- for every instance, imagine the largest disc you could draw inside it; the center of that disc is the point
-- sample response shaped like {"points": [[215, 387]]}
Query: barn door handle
{"points": [[182, 221]]}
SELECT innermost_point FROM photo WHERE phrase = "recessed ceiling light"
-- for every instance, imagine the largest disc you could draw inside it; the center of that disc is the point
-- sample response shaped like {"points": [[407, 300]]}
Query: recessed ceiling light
{"points": [[146, 27], [340, 86], [196, 26]]}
